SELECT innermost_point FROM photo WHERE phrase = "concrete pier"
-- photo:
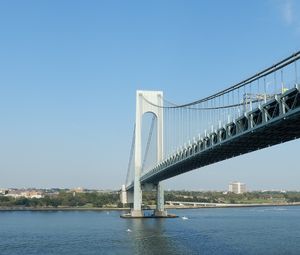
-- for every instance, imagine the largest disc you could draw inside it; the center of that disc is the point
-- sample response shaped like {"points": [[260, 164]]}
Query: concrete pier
{"points": [[141, 215]]}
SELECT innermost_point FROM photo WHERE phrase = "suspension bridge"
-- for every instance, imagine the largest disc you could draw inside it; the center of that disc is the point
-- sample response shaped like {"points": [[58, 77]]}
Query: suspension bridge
{"points": [[260, 111]]}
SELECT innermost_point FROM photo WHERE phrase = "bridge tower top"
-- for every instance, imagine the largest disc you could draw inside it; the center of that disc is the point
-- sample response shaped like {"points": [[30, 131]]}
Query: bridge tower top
{"points": [[147, 101]]}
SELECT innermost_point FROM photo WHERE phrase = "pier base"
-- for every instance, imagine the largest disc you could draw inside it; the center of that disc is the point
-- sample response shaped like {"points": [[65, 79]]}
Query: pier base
{"points": [[160, 213], [141, 215], [136, 213]]}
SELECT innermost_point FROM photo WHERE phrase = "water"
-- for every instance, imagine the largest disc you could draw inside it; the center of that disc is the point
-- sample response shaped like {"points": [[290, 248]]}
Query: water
{"points": [[263, 230]]}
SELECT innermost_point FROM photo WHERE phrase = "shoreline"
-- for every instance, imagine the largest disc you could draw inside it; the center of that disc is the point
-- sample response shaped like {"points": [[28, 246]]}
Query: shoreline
{"points": [[234, 206], [168, 207], [3, 209]]}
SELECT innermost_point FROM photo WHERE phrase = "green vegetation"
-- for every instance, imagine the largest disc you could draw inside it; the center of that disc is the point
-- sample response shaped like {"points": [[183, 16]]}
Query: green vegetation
{"points": [[227, 198], [112, 200], [65, 199]]}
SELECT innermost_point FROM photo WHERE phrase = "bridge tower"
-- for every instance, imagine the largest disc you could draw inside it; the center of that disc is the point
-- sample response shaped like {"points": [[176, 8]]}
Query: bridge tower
{"points": [[143, 105]]}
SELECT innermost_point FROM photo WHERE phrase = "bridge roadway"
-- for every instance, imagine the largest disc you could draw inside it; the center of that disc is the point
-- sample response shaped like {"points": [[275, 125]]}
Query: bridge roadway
{"points": [[274, 122]]}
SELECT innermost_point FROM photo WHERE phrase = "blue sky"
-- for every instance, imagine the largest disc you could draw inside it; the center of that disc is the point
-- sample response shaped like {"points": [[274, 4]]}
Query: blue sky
{"points": [[69, 71]]}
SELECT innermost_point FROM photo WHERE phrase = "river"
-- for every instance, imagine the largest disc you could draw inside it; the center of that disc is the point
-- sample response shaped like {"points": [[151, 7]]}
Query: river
{"points": [[260, 230]]}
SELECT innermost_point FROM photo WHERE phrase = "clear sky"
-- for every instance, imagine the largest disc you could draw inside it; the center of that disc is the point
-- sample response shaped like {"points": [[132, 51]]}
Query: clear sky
{"points": [[69, 71]]}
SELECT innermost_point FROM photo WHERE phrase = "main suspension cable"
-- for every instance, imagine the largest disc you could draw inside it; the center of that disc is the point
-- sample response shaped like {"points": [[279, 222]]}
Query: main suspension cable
{"points": [[281, 64]]}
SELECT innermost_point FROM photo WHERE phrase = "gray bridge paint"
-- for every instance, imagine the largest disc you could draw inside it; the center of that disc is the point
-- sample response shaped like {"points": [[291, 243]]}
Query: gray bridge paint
{"points": [[274, 122]]}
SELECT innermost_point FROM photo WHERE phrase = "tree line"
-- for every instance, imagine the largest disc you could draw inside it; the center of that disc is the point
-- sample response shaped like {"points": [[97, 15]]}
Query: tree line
{"points": [[65, 199], [112, 199]]}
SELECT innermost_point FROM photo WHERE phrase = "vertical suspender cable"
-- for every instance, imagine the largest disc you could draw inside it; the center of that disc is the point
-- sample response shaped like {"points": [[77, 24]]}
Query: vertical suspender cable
{"points": [[130, 155]]}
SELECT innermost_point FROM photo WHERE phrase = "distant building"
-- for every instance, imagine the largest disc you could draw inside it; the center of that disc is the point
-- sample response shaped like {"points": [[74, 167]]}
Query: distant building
{"points": [[237, 187], [24, 193], [31, 194], [3, 191], [14, 194], [78, 190]]}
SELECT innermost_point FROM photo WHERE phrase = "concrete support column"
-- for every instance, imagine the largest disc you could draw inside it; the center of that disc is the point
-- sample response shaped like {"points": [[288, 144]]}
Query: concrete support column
{"points": [[123, 195], [160, 201], [137, 195]]}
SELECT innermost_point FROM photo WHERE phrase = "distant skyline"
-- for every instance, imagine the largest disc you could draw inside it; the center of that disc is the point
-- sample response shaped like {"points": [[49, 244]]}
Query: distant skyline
{"points": [[69, 71]]}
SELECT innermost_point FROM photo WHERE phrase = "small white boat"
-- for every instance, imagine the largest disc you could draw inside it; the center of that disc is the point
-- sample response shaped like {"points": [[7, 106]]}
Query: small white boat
{"points": [[184, 218], [129, 230]]}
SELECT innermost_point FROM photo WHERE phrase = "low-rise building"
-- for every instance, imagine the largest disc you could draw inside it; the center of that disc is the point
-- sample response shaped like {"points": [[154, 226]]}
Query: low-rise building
{"points": [[32, 194], [3, 191], [24, 193]]}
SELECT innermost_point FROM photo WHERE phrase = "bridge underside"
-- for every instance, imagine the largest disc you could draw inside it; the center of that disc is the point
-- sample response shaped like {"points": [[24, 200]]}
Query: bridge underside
{"points": [[276, 132]]}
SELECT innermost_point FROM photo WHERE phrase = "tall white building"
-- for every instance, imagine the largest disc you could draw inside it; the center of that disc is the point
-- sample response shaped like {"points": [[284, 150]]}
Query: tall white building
{"points": [[237, 187]]}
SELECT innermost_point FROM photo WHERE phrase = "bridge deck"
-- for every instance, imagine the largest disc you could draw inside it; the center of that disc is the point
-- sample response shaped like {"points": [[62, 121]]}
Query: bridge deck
{"points": [[275, 122]]}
